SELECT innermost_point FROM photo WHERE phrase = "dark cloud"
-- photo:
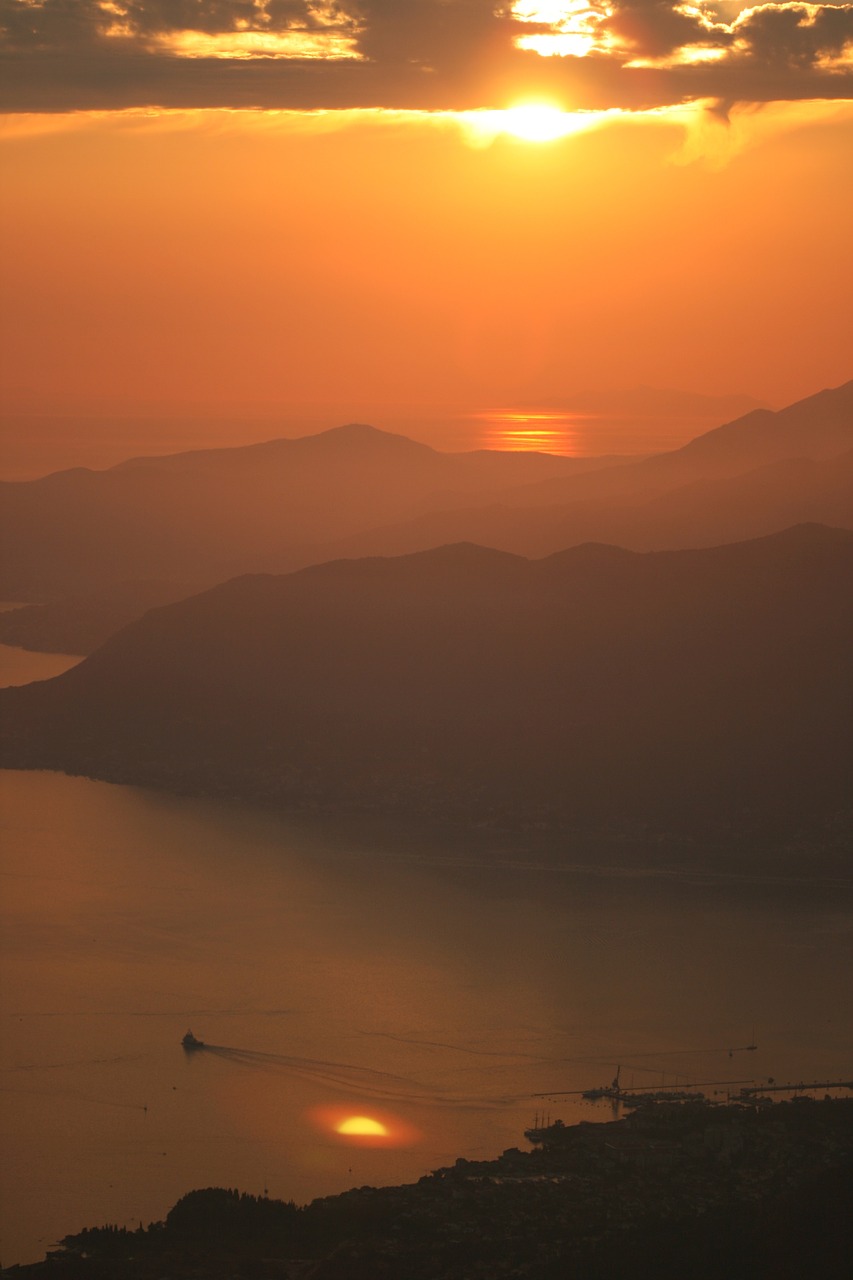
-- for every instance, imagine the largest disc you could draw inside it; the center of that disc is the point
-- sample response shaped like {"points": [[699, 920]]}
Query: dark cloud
{"points": [[431, 33], [795, 35], [654, 27], [410, 54], [148, 16], [55, 24]]}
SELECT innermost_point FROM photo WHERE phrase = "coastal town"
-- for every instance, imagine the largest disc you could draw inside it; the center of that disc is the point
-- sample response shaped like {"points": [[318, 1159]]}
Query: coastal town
{"points": [[672, 1188]]}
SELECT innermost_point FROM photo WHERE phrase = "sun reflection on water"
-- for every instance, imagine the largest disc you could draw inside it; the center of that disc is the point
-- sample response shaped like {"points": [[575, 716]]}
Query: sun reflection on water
{"points": [[361, 1127], [516, 431], [364, 1128]]}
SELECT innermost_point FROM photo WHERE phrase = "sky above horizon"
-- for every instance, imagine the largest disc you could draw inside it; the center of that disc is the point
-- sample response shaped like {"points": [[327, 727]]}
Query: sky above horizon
{"points": [[340, 209]]}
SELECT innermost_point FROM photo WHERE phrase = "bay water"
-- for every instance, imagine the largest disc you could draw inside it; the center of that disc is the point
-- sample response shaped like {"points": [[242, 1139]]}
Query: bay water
{"points": [[444, 993]]}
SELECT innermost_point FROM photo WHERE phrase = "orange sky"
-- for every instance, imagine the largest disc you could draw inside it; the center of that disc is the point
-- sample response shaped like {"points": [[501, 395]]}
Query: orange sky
{"points": [[390, 265], [373, 260]]}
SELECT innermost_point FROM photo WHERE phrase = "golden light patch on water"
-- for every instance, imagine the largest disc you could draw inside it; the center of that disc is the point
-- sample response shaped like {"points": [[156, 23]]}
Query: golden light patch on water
{"points": [[361, 1127], [537, 432]]}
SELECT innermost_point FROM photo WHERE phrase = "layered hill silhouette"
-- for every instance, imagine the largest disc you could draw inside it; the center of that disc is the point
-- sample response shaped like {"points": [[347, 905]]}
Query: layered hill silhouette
{"points": [[759, 474], [689, 693], [205, 516], [698, 513]]}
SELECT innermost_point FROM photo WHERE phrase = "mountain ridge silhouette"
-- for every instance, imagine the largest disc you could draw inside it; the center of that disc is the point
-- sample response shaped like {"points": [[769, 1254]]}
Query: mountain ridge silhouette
{"points": [[677, 692]]}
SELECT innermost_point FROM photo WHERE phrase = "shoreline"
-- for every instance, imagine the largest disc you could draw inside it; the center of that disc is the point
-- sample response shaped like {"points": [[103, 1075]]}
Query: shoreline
{"points": [[596, 1197]]}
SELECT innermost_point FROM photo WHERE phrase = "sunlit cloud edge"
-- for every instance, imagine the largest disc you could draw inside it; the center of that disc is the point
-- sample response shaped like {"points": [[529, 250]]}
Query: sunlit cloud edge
{"points": [[477, 128]]}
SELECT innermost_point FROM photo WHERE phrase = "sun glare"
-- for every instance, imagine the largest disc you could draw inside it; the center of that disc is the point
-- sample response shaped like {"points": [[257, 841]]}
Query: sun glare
{"points": [[538, 122]]}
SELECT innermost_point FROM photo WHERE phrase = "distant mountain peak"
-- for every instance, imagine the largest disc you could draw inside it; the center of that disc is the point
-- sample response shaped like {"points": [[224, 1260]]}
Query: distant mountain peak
{"points": [[465, 557], [464, 550], [362, 433], [279, 449], [817, 426], [841, 394], [356, 429]]}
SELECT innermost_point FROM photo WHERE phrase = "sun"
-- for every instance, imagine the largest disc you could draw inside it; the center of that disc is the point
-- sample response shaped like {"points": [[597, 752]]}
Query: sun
{"points": [[528, 121], [537, 122]]}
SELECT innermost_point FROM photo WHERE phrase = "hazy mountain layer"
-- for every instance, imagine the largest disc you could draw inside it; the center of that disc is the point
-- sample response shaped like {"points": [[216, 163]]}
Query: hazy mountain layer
{"points": [[209, 515], [702, 512], [687, 693], [820, 426], [757, 475]]}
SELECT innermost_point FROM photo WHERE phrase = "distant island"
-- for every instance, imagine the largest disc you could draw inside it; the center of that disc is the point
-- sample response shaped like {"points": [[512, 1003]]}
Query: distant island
{"points": [[672, 699], [755, 1191]]}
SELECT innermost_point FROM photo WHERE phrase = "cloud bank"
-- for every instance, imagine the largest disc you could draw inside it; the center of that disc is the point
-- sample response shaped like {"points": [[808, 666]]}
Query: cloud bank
{"points": [[58, 55]]}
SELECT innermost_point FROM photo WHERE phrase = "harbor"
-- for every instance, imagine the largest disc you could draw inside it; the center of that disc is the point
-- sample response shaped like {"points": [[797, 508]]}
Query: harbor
{"points": [[725, 1091]]}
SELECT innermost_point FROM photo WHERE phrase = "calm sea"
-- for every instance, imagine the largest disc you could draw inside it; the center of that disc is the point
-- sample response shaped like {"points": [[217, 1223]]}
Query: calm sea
{"points": [[335, 975]]}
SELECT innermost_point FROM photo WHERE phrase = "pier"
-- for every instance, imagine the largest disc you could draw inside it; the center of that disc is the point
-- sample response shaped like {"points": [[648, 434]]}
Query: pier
{"points": [[681, 1091], [802, 1087]]}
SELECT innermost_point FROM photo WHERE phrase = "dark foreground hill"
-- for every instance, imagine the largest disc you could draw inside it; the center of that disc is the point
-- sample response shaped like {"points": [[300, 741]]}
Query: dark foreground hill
{"points": [[672, 1191], [690, 694]]}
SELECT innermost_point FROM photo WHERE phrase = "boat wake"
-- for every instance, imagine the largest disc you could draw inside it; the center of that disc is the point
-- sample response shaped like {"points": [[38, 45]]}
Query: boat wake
{"points": [[346, 1077]]}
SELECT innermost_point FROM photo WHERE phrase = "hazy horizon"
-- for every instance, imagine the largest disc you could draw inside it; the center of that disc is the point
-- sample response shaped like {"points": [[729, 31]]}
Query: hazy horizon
{"points": [[37, 438], [377, 267]]}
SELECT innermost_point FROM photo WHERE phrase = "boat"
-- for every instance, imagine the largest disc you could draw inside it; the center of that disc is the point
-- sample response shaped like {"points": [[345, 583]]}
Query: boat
{"points": [[190, 1042]]}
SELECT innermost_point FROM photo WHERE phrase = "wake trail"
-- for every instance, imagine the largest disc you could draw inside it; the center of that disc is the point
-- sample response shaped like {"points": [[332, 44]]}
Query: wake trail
{"points": [[345, 1077], [458, 1048]]}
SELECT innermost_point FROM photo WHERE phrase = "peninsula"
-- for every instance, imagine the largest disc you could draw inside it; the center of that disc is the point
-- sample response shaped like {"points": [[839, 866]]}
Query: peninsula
{"points": [[740, 1190]]}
